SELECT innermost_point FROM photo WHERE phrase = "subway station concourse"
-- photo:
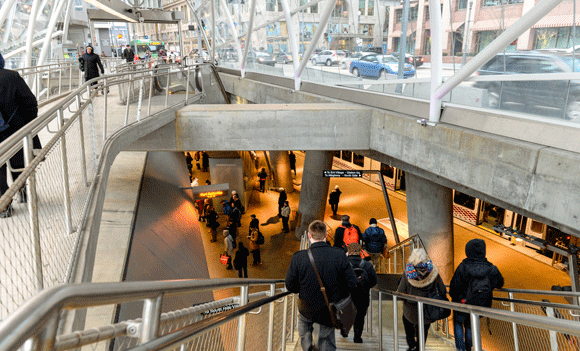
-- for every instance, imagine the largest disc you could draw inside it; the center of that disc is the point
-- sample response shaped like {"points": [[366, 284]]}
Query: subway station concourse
{"points": [[104, 242]]}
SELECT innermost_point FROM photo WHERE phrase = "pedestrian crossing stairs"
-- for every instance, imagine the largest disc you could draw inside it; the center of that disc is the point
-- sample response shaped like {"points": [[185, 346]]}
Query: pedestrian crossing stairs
{"points": [[436, 340]]}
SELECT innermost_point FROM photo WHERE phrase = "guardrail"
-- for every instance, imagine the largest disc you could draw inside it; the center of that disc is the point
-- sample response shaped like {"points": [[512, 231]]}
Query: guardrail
{"points": [[41, 232], [232, 322]]}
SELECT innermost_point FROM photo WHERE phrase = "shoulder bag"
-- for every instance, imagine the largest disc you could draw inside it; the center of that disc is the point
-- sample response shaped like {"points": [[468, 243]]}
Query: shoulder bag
{"points": [[435, 313], [343, 312]]}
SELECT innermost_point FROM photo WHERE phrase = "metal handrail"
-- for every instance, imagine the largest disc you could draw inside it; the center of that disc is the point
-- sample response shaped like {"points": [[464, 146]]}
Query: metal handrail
{"points": [[541, 292]]}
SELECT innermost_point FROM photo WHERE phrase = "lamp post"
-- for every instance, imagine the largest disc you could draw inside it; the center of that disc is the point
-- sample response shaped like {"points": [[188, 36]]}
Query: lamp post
{"points": [[358, 30]]}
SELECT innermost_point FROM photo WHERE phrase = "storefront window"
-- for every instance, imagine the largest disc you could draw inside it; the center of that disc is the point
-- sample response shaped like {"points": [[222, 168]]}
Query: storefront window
{"points": [[361, 7], [270, 4], [461, 4], [371, 8], [347, 155], [464, 200], [485, 38], [549, 38], [337, 153], [314, 9], [358, 160], [387, 171]]}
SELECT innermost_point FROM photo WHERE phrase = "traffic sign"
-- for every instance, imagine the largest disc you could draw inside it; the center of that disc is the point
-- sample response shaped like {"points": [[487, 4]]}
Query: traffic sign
{"points": [[341, 173]]}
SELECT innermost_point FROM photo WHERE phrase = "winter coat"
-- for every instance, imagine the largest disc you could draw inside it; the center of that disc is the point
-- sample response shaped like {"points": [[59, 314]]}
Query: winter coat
{"points": [[474, 266], [334, 197], [361, 294], [254, 235], [337, 277], [212, 220], [339, 234], [241, 259], [128, 55], [285, 212], [374, 239], [16, 100], [282, 198], [229, 245], [91, 63], [419, 288]]}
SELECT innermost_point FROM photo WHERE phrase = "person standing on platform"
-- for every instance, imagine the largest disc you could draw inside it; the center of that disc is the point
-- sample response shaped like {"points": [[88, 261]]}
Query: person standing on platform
{"points": [[375, 240], [229, 247], [333, 200], [128, 54], [254, 223], [285, 213], [196, 157], [337, 277], [366, 279], [195, 182], [281, 199], [19, 107], [262, 176], [472, 283], [212, 223], [292, 159], [91, 64], [420, 278], [204, 161], [255, 246], [347, 233], [241, 261]]}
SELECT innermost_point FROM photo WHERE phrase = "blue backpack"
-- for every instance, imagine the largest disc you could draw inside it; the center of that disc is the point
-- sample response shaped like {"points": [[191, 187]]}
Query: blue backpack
{"points": [[227, 208]]}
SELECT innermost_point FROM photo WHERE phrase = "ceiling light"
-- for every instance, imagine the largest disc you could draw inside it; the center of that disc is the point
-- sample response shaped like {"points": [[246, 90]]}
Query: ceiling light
{"points": [[113, 12]]}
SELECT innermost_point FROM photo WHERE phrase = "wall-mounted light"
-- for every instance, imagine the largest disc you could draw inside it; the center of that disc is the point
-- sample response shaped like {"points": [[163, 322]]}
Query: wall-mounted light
{"points": [[110, 10]]}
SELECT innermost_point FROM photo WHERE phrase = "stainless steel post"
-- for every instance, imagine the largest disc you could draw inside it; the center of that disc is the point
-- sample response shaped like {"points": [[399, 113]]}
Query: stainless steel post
{"points": [[33, 220], [271, 318], [284, 323], [93, 136], [475, 332], [369, 315], [293, 318], [46, 338], [514, 325], [242, 320], [129, 85], [573, 270], [395, 324], [59, 80], [150, 94], [167, 83], [466, 35], [140, 102], [70, 78], [187, 86], [82, 137], [421, 320], [65, 177], [380, 311], [106, 90], [151, 316]]}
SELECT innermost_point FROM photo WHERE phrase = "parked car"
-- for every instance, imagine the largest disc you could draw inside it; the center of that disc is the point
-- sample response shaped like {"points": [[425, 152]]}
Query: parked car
{"points": [[204, 55], [345, 63], [558, 98], [414, 60], [261, 57], [328, 57], [283, 57], [379, 66]]}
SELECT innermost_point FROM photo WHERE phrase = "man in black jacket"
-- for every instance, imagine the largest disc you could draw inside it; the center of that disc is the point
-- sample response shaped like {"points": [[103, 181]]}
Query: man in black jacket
{"points": [[337, 277], [128, 54], [18, 107], [473, 270]]}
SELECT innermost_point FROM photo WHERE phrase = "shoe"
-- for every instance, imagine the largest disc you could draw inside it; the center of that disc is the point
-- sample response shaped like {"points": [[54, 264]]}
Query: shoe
{"points": [[343, 334], [357, 340], [229, 268], [7, 211]]}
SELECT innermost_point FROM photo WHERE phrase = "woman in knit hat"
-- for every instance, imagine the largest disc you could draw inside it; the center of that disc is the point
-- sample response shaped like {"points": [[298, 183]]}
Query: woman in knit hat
{"points": [[420, 277]]}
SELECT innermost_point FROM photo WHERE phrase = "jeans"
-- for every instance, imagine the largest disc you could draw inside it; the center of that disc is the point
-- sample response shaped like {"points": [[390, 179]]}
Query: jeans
{"points": [[243, 274], [412, 333], [462, 331], [326, 340]]}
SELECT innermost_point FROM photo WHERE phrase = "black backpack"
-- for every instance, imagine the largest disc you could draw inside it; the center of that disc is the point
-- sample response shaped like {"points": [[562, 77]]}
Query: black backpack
{"points": [[261, 238], [479, 292], [362, 277], [4, 123]]}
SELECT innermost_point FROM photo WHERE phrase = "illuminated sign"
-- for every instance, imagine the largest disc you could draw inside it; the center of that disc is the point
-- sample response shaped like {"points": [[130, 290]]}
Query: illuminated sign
{"points": [[342, 173], [210, 194]]}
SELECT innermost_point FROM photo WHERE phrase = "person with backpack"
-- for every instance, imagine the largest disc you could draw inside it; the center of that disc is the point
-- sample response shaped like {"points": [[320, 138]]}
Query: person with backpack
{"points": [[241, 261], [212, 223], [366, 277], [255, 246], [472, 284], [262, 177], [421, 277], [375, 240], [347, 233]]}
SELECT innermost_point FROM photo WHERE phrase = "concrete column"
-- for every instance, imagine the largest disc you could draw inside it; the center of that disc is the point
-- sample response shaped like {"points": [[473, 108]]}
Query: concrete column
{"points": [[314, 190], [281, 166], [430, 214]]}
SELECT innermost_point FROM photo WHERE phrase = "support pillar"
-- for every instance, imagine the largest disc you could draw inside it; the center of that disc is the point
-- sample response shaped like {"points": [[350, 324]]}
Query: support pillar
{"points": [[314, 190], [281, 166], [430, 214]]}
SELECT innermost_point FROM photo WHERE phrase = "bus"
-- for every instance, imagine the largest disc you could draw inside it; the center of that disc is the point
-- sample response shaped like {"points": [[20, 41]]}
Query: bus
{"points": [[145, 44]]}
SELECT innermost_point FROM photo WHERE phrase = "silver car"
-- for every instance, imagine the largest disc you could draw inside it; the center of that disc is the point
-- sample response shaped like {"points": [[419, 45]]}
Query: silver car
{"points": [[328, 57]]}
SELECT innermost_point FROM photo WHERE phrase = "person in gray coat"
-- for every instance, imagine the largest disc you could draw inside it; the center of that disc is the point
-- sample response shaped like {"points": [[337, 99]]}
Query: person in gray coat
{"points": [[229, 247], [420, 277]]}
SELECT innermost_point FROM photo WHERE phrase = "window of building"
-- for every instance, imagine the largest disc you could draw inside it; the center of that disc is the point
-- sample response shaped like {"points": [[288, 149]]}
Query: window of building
{"points": [[361, 7], [314, 9], [464, 200], [280, 8], [461, 4], [371, 8], [550, 38], [485, 38], [337, 153], [347, 155], [270, 5], [413, 13], [387, 171], [358, 160]]}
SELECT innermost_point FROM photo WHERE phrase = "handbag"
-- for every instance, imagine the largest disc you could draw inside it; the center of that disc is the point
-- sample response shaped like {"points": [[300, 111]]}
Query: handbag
{"points": [[435, 313], [343, 312], [364, 254], [224, 259]]}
